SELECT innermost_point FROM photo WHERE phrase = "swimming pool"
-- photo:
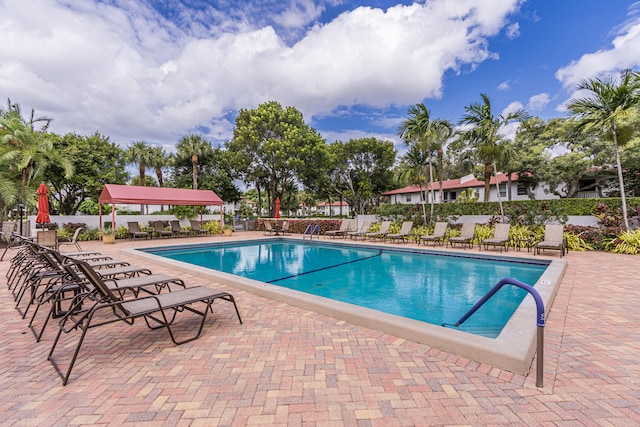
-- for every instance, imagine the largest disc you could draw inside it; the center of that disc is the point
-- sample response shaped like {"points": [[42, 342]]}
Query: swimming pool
{"points": [[428, 287], [513, 349]]}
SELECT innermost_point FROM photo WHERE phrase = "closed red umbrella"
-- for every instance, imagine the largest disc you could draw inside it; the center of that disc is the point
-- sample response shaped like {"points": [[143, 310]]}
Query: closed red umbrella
{"points": [[43, 205], [277, 207]]}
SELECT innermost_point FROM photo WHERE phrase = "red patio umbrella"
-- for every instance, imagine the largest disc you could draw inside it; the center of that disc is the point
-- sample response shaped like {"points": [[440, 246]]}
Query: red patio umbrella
{"points": [[277, 207], [43, 205]]}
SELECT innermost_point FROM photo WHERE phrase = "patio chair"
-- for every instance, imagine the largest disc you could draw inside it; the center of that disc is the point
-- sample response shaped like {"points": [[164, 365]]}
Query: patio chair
{"points": [[47, 238], [177, 230], [10, 241], [268, 228], [438, 236], [285, 228], [158, 311], [159, 230], [553, 239], [73, 241], [403, 235], [197, 229], [361, 232], [56, 292], [135, 232], [345, 226], [381, 233], [500, 238], [466, 236]]}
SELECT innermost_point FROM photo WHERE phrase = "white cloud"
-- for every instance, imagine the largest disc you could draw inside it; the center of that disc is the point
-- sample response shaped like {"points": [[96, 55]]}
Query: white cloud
{"points": [[513, 30], [129, 73], [504, 85], [538, 102], [509, 130], [624, 53]]}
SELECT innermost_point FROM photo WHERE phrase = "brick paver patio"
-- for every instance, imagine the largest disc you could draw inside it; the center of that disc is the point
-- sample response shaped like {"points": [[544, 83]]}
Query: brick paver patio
{"points": [[286, 366]]}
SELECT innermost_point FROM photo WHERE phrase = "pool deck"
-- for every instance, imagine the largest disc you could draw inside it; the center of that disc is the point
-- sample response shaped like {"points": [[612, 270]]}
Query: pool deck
{"points": [[287, 366]]}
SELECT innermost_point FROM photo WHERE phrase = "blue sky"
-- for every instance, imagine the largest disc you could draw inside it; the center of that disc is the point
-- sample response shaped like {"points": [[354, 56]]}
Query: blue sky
{"points": [[157, 70]]}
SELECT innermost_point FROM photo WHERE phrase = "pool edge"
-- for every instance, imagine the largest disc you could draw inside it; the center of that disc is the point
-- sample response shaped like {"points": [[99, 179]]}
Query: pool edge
{"points": [[499, 352]]}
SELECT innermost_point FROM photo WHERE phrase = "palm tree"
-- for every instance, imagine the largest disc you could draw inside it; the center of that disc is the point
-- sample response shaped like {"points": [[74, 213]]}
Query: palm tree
{"points": [[194, 146], [158, 159], [429, 135], [607, 103], [482, 134], [139, 153], [413, 169], [27, 151]]}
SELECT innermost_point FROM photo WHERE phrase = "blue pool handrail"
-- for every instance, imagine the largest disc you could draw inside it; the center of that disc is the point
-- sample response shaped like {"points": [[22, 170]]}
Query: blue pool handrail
{"points": [[539, 319], [311, 228]]}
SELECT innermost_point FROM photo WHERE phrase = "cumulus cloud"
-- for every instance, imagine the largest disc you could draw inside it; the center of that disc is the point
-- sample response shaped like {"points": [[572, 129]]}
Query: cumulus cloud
{"points": [[624, 53], [538, 102], [132, 73]]}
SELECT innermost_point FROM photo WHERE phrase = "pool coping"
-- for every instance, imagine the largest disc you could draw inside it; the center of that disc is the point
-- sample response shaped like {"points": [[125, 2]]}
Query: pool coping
{"points": [[513, 350]]}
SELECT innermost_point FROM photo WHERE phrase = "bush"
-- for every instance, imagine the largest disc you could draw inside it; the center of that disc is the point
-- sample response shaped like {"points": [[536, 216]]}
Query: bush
{"points": [[628, 242]]}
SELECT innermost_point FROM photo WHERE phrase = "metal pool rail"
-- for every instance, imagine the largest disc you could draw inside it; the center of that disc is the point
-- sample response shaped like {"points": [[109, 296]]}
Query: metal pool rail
{"points": [[539, 319]]}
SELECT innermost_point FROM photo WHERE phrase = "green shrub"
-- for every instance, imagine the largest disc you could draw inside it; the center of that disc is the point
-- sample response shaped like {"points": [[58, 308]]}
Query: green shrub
{"points": [[212, 226], [628, 242]]}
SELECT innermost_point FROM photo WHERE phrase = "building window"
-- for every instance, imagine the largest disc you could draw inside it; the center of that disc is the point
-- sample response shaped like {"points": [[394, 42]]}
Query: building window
{"points": [[408, 198], [522, 190], [452, 196], [503, 190]]}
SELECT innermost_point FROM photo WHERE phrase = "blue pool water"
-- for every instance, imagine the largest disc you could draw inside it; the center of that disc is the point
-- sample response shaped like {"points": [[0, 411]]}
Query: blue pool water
{"points": [[430, 287]]}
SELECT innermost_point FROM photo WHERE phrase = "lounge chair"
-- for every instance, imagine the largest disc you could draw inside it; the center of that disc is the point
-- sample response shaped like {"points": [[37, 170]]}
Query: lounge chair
{"points": [[381, 233], [345, 226], [56, 292], [361, 232], [135, 232], [159, 230], [268, 228], [11, 241], [158, 311], [47, 238], [177, 230], [197, 229], [438, 236], [466, 235], [500, 237], [404, 233], [73, 241], [553, 239]]}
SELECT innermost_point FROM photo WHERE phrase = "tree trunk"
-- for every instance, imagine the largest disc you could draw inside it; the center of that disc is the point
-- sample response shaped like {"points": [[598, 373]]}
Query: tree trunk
{"points": [[195, 174], [487, 180], [623, 196], [432, 201], [441, 173], [495, 171]]}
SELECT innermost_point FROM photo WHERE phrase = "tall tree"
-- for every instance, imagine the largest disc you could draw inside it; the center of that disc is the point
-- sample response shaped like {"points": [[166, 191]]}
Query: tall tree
{"points": [[608, 102], [195, 147], [362, 170], [96, 161], [414, 169], [158, 160], [430, 136], [213, 173], [27, 151], [482, 134], [139, 153], [273, 148]]}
